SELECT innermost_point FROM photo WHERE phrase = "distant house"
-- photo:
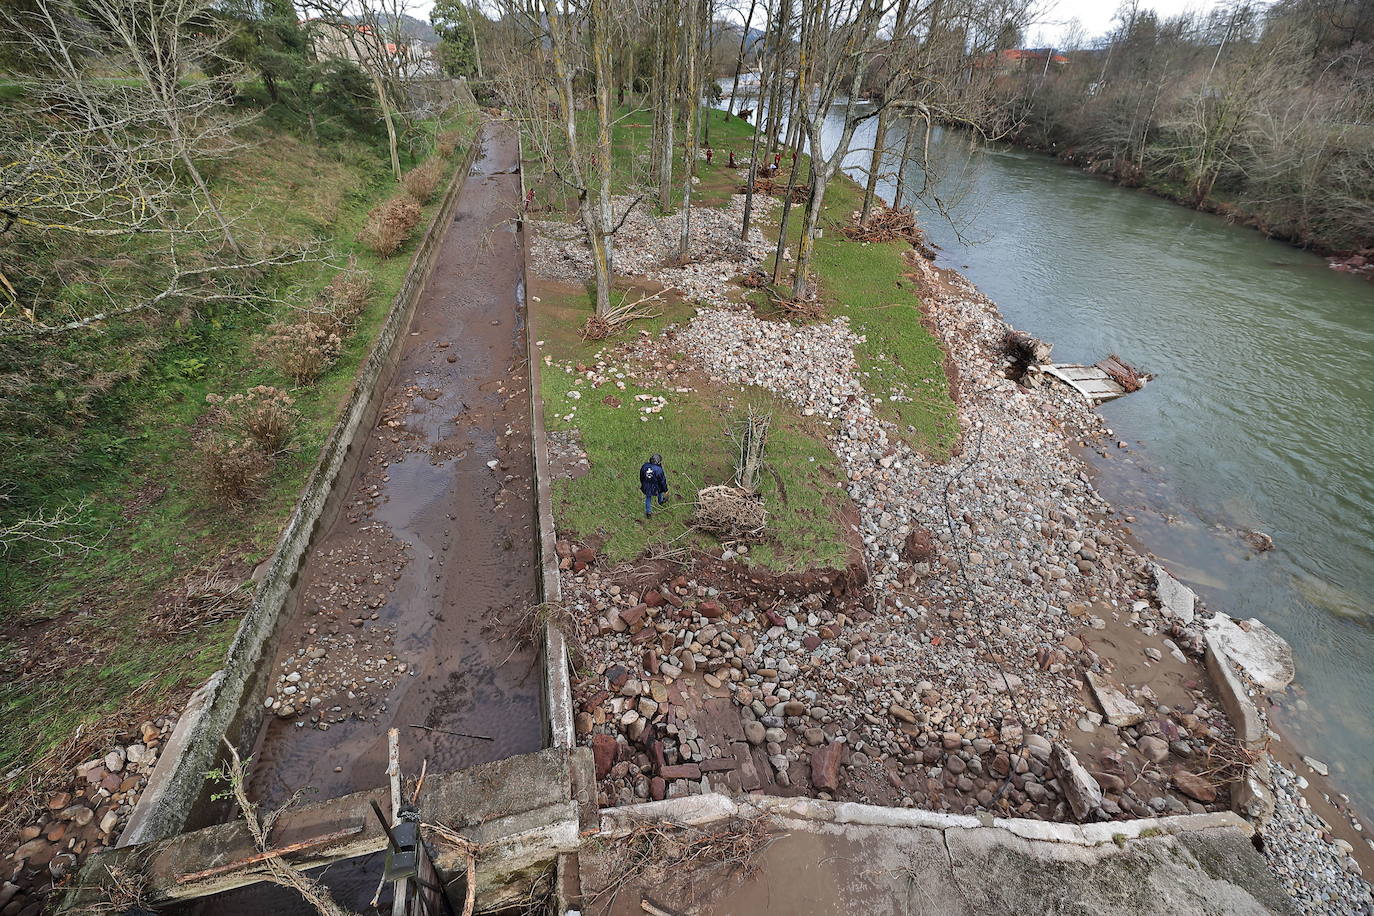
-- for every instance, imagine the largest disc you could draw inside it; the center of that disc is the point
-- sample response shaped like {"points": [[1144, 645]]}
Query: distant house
{"points": [[1018, 59], [334, 40]]}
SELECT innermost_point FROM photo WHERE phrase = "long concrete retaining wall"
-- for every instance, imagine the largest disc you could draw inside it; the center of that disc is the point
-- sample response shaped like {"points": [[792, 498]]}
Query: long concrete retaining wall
{"points": [[558, 714], [221, 709]]}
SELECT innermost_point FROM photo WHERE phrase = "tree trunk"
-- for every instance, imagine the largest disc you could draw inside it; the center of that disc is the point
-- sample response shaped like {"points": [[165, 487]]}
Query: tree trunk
{"points": [[601, 57], [739, 61], [875, 164], [899, 195], [385, 103], [782, 223], [801, 283], [693, 101]]}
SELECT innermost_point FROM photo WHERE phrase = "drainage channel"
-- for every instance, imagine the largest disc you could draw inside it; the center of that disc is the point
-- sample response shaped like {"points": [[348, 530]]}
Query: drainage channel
{"points": [[393, 621]]}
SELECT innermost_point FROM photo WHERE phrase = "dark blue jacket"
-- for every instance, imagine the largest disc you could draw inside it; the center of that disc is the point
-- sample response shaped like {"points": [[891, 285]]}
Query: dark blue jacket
{"points": [[652, 480]]}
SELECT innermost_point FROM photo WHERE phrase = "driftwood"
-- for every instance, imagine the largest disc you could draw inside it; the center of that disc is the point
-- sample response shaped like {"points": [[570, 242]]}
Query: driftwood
{"points": [[1023, 351], [1123, 373], [886, 224], [773, 188]]}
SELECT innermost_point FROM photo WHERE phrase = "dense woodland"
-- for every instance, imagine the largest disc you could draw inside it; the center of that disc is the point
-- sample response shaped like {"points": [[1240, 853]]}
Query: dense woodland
{"points": [[1263, 112]]}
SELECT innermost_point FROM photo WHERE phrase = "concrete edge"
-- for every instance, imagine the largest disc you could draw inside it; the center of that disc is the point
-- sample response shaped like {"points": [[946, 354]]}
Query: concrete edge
{"points": [[711, 807], [175, 785], [1250, 730], [557, 686]]}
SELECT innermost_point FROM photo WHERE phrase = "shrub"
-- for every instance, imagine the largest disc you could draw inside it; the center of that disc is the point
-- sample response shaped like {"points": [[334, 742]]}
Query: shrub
{"points": [[339, 304], [448, 142], [263, 414], [390, 224], [421, 181], [302, 351], [234, 467]]}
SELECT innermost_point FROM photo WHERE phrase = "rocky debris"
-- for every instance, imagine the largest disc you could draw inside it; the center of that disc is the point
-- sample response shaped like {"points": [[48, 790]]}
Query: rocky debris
{"points": [[647, 246], [1318, 873], [1264, 656], [80, 816], [344, 663], [989, 579], [1175, 598]]}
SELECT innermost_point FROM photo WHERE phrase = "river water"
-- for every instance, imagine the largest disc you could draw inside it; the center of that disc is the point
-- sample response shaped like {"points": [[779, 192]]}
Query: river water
{"points": [[1261, 416]]}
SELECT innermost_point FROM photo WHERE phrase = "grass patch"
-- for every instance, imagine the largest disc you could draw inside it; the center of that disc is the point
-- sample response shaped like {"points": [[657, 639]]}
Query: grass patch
{"points": [[805, 505], [80, 640], [863, 282]]}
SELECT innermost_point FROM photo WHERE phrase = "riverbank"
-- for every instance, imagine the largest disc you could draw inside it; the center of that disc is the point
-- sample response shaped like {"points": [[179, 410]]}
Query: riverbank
{"points": [[1356, 261], [945, 677]]}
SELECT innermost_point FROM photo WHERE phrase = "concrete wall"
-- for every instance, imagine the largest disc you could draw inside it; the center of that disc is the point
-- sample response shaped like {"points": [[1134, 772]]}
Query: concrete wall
{"points": [[223, 707], [558, 715]]}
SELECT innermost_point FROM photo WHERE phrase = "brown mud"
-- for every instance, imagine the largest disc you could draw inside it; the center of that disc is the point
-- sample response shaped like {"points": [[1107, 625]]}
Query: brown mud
{"points": [[433, 540]]}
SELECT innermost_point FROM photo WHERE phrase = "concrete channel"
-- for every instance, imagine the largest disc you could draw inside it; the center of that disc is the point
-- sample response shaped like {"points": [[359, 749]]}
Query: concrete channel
{"points": [[404, 608]]}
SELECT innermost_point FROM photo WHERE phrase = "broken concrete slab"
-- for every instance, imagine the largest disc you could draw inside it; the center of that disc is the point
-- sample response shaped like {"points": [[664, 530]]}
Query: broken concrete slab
{"points": [[832, 857], [1175, 598], [1076, 784], [1260, 652], [1119, 709], [521, 809], [1250, 731]]}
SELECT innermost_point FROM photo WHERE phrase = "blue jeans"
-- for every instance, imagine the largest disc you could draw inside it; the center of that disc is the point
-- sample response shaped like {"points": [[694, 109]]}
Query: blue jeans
{"points": [[649, 502]]}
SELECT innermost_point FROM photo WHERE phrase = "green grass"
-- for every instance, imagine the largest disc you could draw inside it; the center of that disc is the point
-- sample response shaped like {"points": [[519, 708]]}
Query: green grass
{"points": [[863, 282], [805, 506], [133, 457]]}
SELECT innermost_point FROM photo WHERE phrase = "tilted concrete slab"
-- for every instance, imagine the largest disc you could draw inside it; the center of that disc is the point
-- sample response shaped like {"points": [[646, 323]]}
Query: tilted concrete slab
{"points": [[520, 810], [846, 858]]}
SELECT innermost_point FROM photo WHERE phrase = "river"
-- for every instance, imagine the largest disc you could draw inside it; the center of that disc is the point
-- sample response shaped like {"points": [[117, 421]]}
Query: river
{"points": [[1261, 416]]}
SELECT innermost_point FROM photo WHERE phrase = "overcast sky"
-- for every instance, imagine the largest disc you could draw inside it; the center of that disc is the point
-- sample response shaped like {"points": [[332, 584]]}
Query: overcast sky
{"points": [[1095, 16]]}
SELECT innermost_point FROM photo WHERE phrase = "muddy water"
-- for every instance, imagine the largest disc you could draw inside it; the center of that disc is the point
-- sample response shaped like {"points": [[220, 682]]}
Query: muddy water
{"points": [[392, 625]]}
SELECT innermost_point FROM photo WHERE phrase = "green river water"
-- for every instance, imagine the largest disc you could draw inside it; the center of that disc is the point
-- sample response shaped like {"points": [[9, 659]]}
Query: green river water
{"points": [[1261, 415]]}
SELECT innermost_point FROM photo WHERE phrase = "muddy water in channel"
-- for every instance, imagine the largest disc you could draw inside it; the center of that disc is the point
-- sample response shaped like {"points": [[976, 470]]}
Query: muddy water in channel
{"points": [[433, 539]]}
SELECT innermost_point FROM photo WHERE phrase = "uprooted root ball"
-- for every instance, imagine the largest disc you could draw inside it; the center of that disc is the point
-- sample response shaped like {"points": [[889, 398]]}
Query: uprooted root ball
{"points": [[729, 511]]}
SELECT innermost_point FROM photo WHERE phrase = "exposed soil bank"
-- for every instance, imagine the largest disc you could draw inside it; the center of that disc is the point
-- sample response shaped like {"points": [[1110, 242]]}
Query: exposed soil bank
{"points": [[429, 542]]}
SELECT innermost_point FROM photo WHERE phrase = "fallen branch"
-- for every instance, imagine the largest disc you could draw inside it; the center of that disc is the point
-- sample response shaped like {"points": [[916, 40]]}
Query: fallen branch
{"points": [[599, 327], [430, 728]]}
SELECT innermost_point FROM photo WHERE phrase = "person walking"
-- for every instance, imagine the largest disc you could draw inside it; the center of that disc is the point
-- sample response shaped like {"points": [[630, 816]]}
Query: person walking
{"points": [[653, 483]]}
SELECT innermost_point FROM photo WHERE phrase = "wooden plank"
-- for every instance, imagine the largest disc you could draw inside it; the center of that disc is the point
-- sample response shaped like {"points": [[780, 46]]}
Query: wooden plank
{"points": [[268, 854]]}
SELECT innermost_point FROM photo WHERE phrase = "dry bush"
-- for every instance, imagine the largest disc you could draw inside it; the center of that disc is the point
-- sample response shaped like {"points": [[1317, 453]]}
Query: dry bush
{"points": [[389, 225], [302, 351], [448, 142], [234, 468], [337, 307], [262, 413], [421, 181]]}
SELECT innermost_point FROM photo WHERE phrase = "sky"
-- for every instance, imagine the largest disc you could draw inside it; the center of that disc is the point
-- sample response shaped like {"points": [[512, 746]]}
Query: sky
{"points": [[1054, 21]]}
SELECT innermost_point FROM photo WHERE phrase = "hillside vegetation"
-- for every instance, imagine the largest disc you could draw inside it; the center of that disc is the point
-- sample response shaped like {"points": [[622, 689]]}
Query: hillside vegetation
{"points": [[167, 445]]}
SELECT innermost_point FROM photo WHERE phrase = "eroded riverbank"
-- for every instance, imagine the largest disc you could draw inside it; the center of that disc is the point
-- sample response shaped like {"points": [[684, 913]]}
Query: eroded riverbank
{"points": [[393, 623]]}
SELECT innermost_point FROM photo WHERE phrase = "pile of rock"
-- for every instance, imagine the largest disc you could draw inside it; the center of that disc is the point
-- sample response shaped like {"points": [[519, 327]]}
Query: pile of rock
{"points": [[84, 816], [1316, 869], [648, 246]]}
